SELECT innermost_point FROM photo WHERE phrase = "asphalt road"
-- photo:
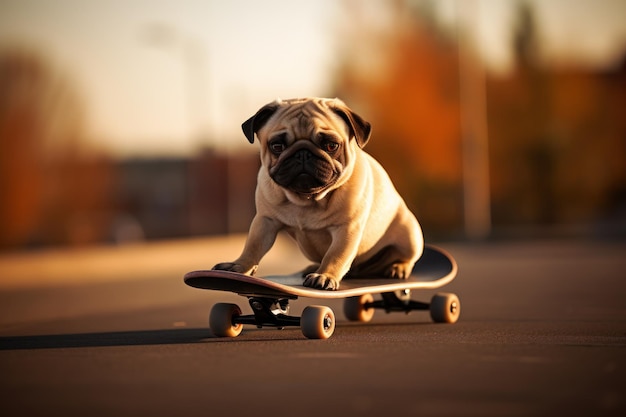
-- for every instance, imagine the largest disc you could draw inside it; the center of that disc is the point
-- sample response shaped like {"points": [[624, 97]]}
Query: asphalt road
{"points": [[114, 332]]}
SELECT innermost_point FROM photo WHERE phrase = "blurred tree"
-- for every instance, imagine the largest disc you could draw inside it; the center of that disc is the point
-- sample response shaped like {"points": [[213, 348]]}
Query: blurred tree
{"points": [[522, 152], [402, 76], [21, 172], [48, 185], [557, 145]]}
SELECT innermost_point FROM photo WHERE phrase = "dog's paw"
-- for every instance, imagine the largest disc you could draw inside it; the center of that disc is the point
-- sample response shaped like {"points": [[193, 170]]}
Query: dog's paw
{"points": [[321, 281], [235, 267], [400, 270]]}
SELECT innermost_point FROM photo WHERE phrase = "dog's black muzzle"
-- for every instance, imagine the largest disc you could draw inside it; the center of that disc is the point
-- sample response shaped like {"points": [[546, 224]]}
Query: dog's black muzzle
{"points": [[304, 172]]}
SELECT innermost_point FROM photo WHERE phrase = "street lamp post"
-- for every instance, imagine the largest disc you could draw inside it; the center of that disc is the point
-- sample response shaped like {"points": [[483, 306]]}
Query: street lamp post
{"points": [[475, 149]]}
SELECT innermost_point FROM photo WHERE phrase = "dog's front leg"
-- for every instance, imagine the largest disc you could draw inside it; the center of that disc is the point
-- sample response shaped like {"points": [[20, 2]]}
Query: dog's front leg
{"points": [[261, 237], [338, 259]]}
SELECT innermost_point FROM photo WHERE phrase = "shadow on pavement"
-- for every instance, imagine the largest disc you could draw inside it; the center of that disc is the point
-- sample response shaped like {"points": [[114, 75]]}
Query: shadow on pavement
{"points": [[128, 338], [180, 336]]}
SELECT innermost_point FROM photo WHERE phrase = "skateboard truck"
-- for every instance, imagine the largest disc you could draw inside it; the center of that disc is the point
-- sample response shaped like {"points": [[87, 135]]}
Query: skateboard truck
{"points": [[399, 301], [269, 312], [272, 312]]}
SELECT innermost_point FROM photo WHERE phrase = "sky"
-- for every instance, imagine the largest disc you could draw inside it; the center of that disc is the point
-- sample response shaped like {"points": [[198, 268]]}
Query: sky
{"points": [[170, 76]]}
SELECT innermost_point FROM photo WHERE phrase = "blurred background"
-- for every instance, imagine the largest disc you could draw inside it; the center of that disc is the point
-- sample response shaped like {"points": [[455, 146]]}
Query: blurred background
{"points": [[120, 120]]}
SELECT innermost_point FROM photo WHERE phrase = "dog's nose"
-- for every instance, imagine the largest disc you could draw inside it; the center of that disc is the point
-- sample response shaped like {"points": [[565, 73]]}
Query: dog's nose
{"points": [[303, 155]]}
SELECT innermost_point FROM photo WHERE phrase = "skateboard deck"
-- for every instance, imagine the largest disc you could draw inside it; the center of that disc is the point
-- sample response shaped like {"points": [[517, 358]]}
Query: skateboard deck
{"points": [[434, 269], [269, 296]]}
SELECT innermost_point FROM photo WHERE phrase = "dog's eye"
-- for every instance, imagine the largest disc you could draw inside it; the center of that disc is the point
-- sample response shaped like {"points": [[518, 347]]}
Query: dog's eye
{"points": [[330, 146], [277, 147]]}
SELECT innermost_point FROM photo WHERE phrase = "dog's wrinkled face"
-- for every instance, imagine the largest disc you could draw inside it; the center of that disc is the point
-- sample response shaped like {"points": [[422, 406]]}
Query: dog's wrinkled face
{"points": [[304, 158], [307, 145]]}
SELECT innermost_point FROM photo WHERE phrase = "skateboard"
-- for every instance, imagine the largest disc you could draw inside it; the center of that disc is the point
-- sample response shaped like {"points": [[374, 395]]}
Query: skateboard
{"points": [[269, 297]]}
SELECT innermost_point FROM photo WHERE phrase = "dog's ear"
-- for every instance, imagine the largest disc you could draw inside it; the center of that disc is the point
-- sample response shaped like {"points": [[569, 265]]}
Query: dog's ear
{"points": [[253, 124], [359, 128]]}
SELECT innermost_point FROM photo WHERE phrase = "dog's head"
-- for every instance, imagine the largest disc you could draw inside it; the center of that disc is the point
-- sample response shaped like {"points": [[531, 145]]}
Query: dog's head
{"points": [[308, 145]]}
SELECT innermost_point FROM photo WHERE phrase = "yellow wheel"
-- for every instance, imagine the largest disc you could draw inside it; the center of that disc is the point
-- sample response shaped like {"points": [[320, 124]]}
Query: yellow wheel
{"points": [[221, 320], [317, 322]]}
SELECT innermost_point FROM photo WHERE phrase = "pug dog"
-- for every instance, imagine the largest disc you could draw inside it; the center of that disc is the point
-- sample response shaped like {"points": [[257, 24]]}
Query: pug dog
{"points": [[317, 184]]}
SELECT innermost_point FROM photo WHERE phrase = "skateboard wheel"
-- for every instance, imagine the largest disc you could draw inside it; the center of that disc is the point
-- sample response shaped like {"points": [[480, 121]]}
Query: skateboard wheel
{"points": [[317, 322], [355, 308], [221, 320], [445, 308]]}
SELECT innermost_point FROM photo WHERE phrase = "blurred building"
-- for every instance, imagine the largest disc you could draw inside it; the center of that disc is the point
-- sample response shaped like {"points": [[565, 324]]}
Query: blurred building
{"points": [[178, 197]]}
